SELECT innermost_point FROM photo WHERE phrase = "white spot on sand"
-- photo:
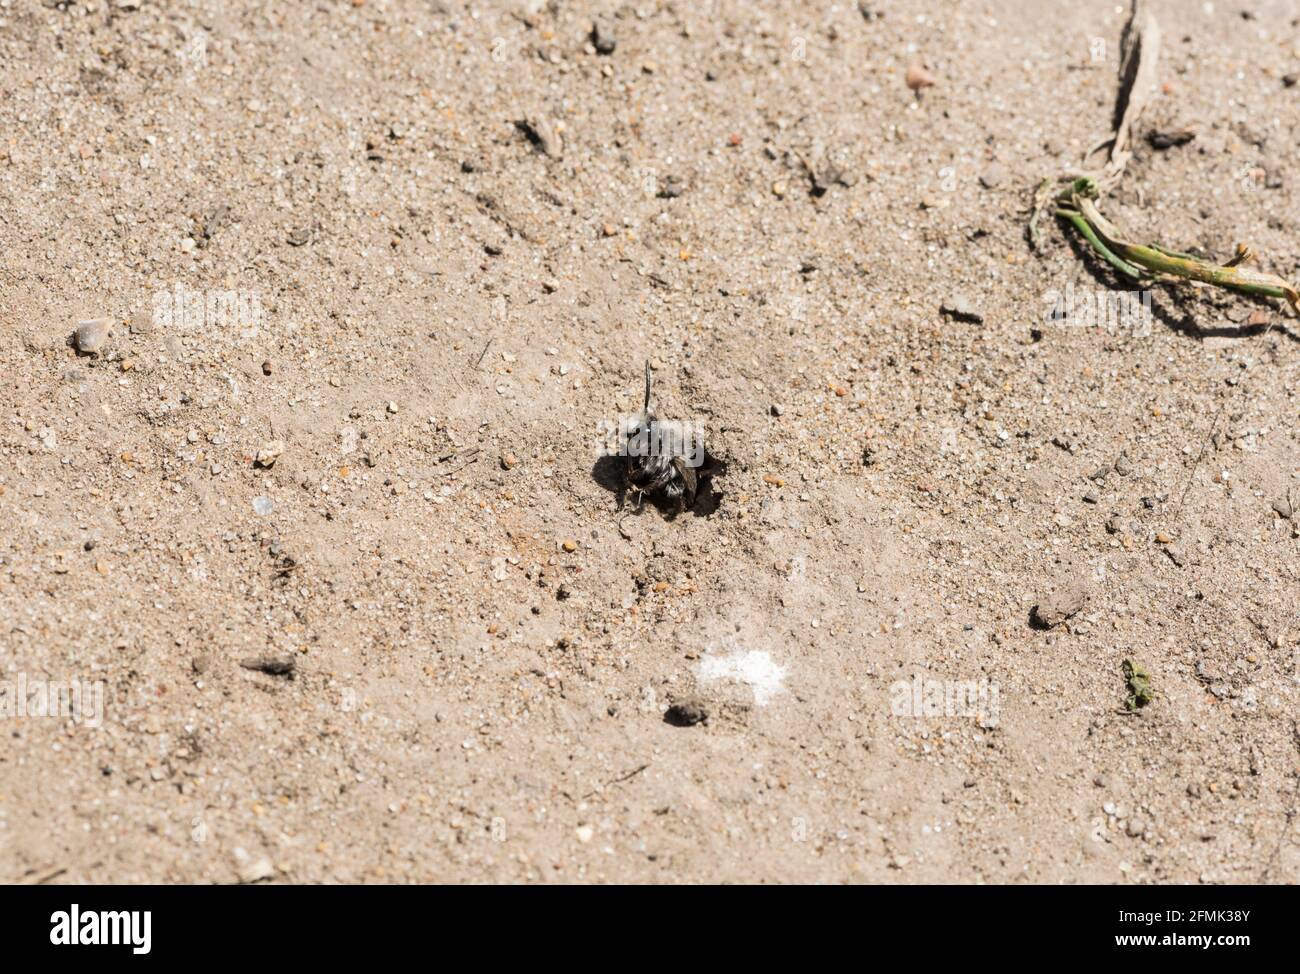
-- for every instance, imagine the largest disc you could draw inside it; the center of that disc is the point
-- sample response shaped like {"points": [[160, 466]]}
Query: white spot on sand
{"points": [[753, 667]]}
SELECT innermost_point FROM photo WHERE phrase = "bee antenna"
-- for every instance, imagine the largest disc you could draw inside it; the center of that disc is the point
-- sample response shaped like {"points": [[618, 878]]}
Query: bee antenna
{"points": [[647, 385]]}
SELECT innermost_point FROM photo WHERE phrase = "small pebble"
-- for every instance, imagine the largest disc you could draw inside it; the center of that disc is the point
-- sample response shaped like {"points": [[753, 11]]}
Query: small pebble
{"points": [[543, 137], [602, 39], [1055, 607], [92, 335], [269, 453], [918, 76], [671, 187], [256, 871], [959, 306]]}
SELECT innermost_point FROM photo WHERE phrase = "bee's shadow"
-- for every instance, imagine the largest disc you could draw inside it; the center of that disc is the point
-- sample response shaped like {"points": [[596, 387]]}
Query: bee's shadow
{"points": [[608, 472]]}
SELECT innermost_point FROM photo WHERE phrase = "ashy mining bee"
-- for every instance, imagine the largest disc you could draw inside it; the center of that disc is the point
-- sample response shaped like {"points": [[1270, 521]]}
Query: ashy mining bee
{"points": [[664, 458]]}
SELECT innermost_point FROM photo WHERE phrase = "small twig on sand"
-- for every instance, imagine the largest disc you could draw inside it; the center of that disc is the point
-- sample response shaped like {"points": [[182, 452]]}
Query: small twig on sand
{"points": [[40, 877], [1139, 53], [619, 780]]}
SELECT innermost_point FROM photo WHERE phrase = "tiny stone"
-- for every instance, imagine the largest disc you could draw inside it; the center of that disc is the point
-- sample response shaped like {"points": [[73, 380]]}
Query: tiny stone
{"points": [[994, 176], [602, 39], [270, 665], [91, 335], [263, 505], [671, 187], [918, 77], [1091, 497], [960, 307], [542, 136], [1283, 507], [269, 453], [1055, 607], [256, 871]]}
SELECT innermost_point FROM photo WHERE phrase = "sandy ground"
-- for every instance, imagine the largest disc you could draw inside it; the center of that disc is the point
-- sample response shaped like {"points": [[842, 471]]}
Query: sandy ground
{"points": [[476, 648]]}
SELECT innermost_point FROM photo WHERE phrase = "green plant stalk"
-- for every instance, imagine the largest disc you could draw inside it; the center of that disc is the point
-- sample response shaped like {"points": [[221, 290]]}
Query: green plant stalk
{"points": [[1137, 261], [1089, 234]]}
